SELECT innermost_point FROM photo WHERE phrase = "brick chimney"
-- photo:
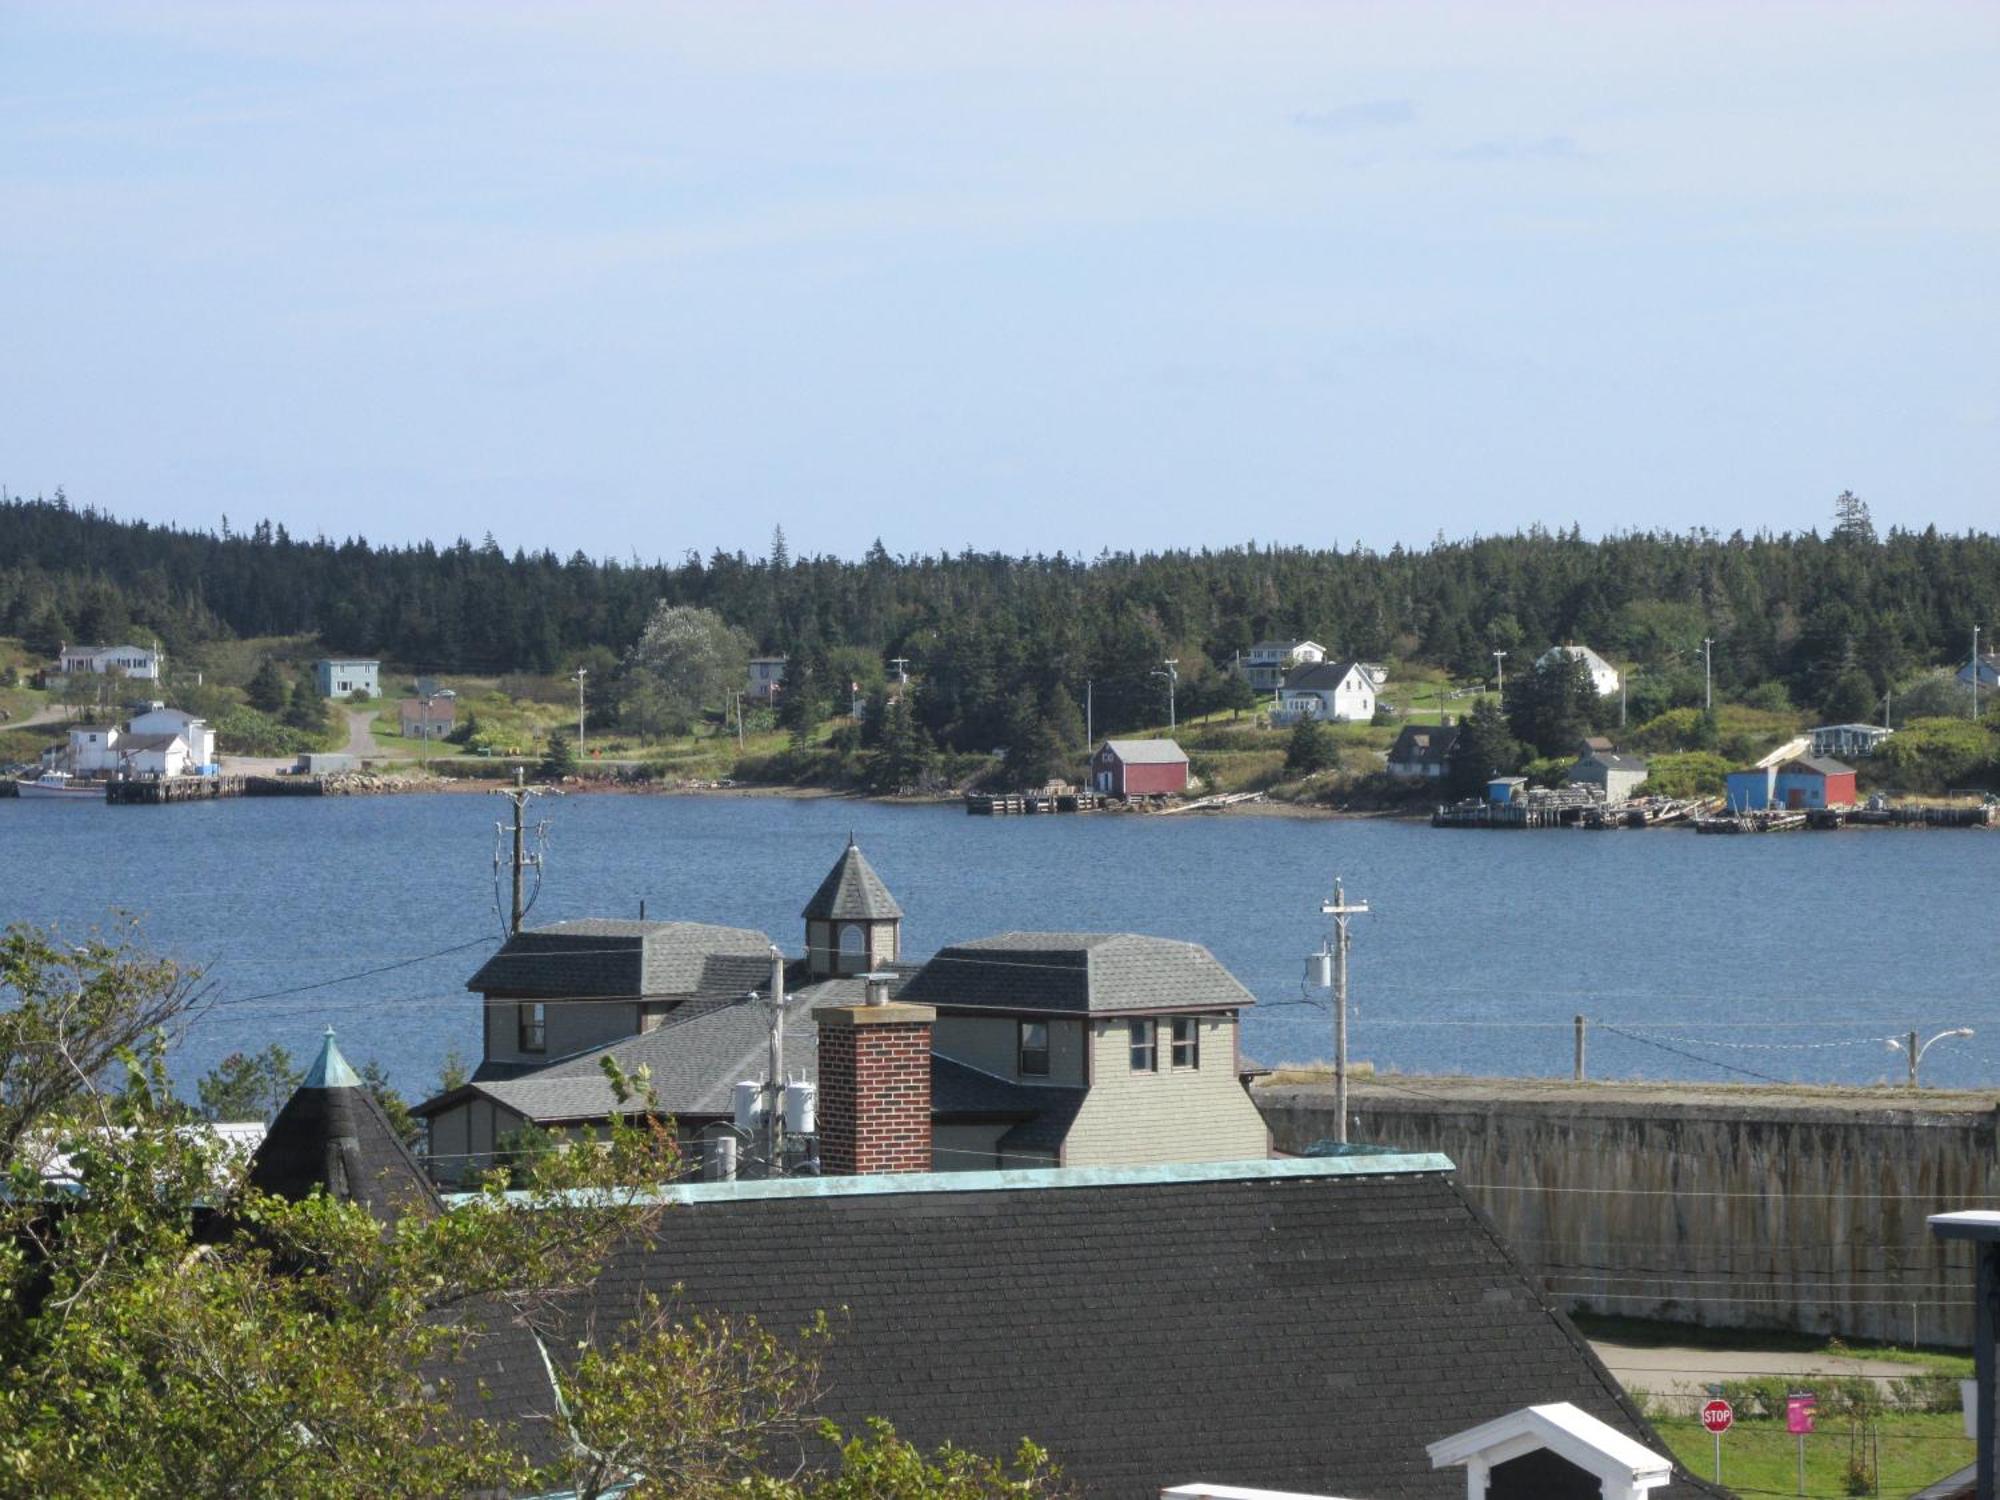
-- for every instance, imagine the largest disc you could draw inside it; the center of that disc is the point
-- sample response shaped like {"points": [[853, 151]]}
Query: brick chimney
{"points": [[874, 1085]]}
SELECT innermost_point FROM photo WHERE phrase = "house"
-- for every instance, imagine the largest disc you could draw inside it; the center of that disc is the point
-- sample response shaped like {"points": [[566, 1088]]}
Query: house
{"points": [[1849, 741], [766, 678], [1334, 691], [427, 718], [1603, 676], [343, 676], [136, 662], [1034, 1049], [157, 718], [1139, 768], [1266, 664], [1343, 1325], [1616, 776], [91, 750], [1800, 782], [1988, 671], [153, 755], [1423, 750]]}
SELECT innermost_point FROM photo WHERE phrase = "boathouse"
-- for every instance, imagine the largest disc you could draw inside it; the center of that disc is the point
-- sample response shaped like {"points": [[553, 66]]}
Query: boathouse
{"points": [[1139, 768], [1804, 781]]}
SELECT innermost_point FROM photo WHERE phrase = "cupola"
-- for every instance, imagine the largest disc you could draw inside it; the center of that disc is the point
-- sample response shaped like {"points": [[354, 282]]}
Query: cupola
{"points": [[853, 924]]}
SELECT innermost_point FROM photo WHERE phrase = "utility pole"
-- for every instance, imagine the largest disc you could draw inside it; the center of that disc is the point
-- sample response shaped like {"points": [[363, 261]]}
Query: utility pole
{"points": [[1089, 712], [737, 699], [518, 794], [1975, 672], [1340, 911], [1707, 675], [1500, 678], [774, 1109], [581, 673], [1170, 669]]}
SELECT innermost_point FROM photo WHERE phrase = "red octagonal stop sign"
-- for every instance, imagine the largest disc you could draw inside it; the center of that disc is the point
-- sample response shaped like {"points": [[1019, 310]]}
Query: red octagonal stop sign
{"points": [[1717, 1416]]}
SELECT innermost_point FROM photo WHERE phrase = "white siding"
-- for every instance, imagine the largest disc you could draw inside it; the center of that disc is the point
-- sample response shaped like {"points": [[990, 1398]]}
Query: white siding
{"points": [[1174, 1114]]}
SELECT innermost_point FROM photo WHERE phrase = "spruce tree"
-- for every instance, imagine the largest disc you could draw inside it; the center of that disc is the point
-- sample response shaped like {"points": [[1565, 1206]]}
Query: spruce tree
{"points": [[268, 691]]}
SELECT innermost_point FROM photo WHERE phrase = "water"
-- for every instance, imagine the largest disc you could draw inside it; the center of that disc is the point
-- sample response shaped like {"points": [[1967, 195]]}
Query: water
{"points": [[1787, 957]]}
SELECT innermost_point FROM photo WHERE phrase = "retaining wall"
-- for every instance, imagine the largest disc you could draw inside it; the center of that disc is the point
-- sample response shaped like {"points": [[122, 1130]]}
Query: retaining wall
{"points": [[1799, 1210]]}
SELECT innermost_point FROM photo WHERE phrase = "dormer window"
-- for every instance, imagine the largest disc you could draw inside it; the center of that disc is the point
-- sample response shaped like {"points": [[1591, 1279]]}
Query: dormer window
{"points": [[1187, 1041], [1143, 1034], [1034, 1049], [533, 1034]]}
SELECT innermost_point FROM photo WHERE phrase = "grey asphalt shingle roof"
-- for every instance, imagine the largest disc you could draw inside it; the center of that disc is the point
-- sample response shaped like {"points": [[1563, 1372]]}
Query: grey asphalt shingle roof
{"points": [[1323, 676], [1323, 1331], [1148, 752], [853, 892], [1822, 764], [601, 956], [1076, 973], [1424, 744]]}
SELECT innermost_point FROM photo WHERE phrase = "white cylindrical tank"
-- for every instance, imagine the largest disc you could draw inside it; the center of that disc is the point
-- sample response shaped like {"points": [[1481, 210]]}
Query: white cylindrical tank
{"points": [[749, 1099], [800, 1098], [1319, 970], [718, 1158]]}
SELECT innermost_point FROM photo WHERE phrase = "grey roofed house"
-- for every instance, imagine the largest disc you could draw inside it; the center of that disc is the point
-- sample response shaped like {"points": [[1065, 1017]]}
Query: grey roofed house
{"points": [[601, 957], [1423, 748], [1083, 973], [1323, 676], [1148, 752], [852, 891], [1335, 1316]]}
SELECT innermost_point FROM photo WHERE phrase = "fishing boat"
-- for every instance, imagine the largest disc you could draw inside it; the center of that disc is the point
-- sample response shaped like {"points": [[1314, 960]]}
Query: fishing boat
{"points": [[61, 784]]}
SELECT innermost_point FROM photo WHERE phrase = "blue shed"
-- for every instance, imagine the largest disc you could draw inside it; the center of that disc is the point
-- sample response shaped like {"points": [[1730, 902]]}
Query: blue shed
{"points": [[1752, 790]]}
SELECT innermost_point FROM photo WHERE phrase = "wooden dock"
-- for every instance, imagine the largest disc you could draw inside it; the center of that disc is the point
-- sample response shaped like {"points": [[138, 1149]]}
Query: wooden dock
{"points": [[134, 791], [1774, 820], [1920, 815], [995, 804]]}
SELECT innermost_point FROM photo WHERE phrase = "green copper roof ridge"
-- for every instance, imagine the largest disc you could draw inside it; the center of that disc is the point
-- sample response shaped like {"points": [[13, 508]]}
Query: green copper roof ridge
{"points": [[330, 1070]]}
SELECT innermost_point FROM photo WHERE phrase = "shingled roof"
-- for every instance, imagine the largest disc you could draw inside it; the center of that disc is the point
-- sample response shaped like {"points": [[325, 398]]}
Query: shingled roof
{"points": [[1079, 973], [1342, 1314], [605, 957], [332, 1135], [852, 892]]}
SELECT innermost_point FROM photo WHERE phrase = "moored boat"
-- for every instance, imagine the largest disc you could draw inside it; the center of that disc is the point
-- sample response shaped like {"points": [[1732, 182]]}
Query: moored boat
{"points": [[61, 784]]}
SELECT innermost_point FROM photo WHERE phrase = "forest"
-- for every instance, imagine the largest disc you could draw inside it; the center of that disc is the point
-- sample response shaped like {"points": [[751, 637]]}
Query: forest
{"points": [[1825, 621]]}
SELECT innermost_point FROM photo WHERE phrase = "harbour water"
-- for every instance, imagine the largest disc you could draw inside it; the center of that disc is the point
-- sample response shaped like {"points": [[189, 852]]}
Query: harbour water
{"points": [[1786, 957]]}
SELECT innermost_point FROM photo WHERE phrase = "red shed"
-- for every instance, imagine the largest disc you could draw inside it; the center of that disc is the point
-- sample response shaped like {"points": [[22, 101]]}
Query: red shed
{"points": [[1139, 768], [1814, 781]]}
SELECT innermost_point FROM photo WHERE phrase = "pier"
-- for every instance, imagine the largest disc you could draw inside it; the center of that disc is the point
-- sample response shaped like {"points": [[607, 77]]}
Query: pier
{"points": [[133, 791], [1048, 800]]}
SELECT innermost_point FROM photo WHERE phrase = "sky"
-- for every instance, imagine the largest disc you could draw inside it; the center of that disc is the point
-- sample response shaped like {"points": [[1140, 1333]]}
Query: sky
{"points": [[1028, 277]]}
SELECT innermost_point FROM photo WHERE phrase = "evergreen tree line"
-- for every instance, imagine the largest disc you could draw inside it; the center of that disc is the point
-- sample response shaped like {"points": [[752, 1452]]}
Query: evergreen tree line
{"points": [[1833, 620]]}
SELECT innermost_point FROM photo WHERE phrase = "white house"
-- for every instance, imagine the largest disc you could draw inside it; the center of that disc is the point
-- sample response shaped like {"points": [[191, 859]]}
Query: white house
{"points": [[766, 678], [1603, 676], [1266, 663], [153, 755], [340, 676], [133, 661], [159, 719], [1334, 691], [92, 749]]}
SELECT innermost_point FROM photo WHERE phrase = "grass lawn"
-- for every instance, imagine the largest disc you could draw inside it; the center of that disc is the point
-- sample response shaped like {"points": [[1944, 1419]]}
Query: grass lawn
{"points": [[1911, 1450]]}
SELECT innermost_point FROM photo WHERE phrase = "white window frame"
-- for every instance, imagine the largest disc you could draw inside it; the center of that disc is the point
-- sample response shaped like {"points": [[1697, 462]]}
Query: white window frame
{"points": [[1022, 1050], [531, 1018], [1187, 1041], [1142, 1041]]}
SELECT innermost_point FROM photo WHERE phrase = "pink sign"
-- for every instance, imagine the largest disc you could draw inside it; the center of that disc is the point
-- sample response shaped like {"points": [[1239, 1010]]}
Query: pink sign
{"points": [[1799, 1413]]}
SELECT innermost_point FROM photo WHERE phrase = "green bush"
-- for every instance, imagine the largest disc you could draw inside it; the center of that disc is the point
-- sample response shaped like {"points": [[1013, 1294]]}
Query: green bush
{"points": [[1548, 770], [1936, 755], [1686, 773], [244, 731]]}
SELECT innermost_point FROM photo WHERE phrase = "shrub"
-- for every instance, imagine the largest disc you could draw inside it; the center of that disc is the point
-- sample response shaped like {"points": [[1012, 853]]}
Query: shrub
{"points": [[1935, 755], [1687, 773]]}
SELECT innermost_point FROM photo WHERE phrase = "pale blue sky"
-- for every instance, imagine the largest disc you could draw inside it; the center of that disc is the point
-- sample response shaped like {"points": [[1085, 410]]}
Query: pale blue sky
{"points": [[642, 278]]}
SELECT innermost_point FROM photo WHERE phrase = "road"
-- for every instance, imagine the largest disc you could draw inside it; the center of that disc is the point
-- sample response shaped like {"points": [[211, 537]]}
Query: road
{"points": [[361, 734], [1667, 1370]]}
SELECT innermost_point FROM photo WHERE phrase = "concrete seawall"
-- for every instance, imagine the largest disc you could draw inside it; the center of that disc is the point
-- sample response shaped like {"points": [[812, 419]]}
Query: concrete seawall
{"points": [[1776, 1208]]}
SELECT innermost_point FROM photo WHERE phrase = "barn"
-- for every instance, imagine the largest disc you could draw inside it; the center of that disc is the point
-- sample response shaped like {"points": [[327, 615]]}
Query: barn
{"points": [[1139, 768]]}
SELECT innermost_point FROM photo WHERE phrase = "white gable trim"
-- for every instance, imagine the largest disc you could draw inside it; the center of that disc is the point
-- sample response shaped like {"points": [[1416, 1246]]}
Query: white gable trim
{"points": [[1625, 1469]]}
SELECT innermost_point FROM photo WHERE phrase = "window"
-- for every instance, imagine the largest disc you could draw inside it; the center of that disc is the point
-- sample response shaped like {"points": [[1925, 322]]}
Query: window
{"points": [[1034, 1049], [1187, 1041], [853, 949], [1145, 1039], [534, 1027]]}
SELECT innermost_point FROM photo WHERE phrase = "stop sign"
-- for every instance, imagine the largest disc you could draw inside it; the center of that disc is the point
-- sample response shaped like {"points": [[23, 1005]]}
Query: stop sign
{"points": [[1717, 1416]]}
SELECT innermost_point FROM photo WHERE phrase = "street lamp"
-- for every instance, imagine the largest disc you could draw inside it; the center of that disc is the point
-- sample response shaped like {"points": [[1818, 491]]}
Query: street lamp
{"points": [[1907, 1045]]}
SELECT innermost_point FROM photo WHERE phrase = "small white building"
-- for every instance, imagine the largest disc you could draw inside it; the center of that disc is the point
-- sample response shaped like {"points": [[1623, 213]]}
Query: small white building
{"points": [[1266, 663], [341, 676], [92, 750], [766, 678], [1338, 692], [153, 755], [136, 662], [1603, 676], [195, 730]]}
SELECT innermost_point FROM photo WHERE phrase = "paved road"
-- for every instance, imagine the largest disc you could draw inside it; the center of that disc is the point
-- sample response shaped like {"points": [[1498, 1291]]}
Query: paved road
{"points": [[1667, 1370]]}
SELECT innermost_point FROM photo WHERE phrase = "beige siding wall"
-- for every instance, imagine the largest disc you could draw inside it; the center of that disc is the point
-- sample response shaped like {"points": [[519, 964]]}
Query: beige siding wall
{"points": [[1175, 1114], [463, 1137], [572, 1026], [992, 1044]]}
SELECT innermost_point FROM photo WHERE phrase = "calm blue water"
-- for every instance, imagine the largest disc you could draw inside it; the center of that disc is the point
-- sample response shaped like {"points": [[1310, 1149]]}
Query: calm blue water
{"points": [[1786, 956]]}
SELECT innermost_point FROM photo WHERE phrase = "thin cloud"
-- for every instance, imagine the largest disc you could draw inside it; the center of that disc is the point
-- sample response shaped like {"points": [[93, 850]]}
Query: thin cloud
{"points": [[1546, 148], [1370, 114]]}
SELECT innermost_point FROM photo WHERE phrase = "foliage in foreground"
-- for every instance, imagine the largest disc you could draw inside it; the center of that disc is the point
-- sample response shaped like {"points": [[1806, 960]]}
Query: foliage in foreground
{"points": [[166, 1329]]}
